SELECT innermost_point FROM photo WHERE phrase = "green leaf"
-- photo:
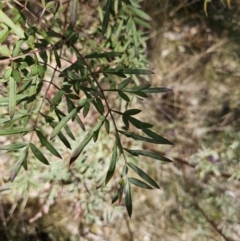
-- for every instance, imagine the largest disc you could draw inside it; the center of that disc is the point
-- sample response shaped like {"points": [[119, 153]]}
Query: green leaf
{"points": [[123, 96], [32, 93], [107, 126], [124, 83], [34, 70], [30, 41], [139, 183], [86, 109], [17, 48], [19, 163], [143, 175], [14, 131], [104, 55], [112, 165], [69, 132], [107, 9], [153, 155], [95, 135], [156, 137], [62, 123], [99, 105], [139, 13], [156, 90], [124, 171], [57, 97], [3, 33], [132, 112], [139, 124], [142, 23], [4, 50], [135, 39], [8, 73], [117, 71], [119, 29], [12, 97], [74, 38], [119, 144], [138, 137], [12, 147], [72, 97], [41, 71], [16, 75], [9, 121], [128, 199], [140, 93], [15, 28], [125, 121], [129, 25], [205, 6], [57, 58], [61, 136], [78, 150], [47, 144], [118, 195], [38, 154], [49, 5], [84, 101], [137, 71], [79, 121], [137, 88]]}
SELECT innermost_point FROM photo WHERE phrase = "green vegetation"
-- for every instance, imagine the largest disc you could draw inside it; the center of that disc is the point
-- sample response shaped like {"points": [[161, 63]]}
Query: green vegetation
{"points": [[82, 116], [60, 73]]}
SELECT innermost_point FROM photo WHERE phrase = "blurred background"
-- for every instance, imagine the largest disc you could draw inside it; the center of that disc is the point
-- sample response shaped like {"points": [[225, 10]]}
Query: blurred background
{"points": [[193, 50]]}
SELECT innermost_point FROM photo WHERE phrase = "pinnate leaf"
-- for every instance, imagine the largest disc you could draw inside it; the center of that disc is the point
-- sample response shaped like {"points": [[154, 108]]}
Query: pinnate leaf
{"points": [[60, 135], [156, 137], [107, 9], [78, 150], [153, 155], [139, 183], [124, 83], [112, 165], [62, 123], [143, 175], [38, 154], [47, 144], [13, 131], [128, 199], [18, 164], [139, 124], [132, 112], [123, 96], [12, 147]]}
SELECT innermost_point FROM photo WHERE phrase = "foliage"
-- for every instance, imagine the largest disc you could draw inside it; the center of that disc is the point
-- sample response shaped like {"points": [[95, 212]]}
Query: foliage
{"points": [[45, 95]]}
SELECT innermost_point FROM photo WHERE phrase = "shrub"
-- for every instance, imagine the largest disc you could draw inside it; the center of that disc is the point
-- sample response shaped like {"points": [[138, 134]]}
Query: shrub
{"points": [[66, 72]]}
